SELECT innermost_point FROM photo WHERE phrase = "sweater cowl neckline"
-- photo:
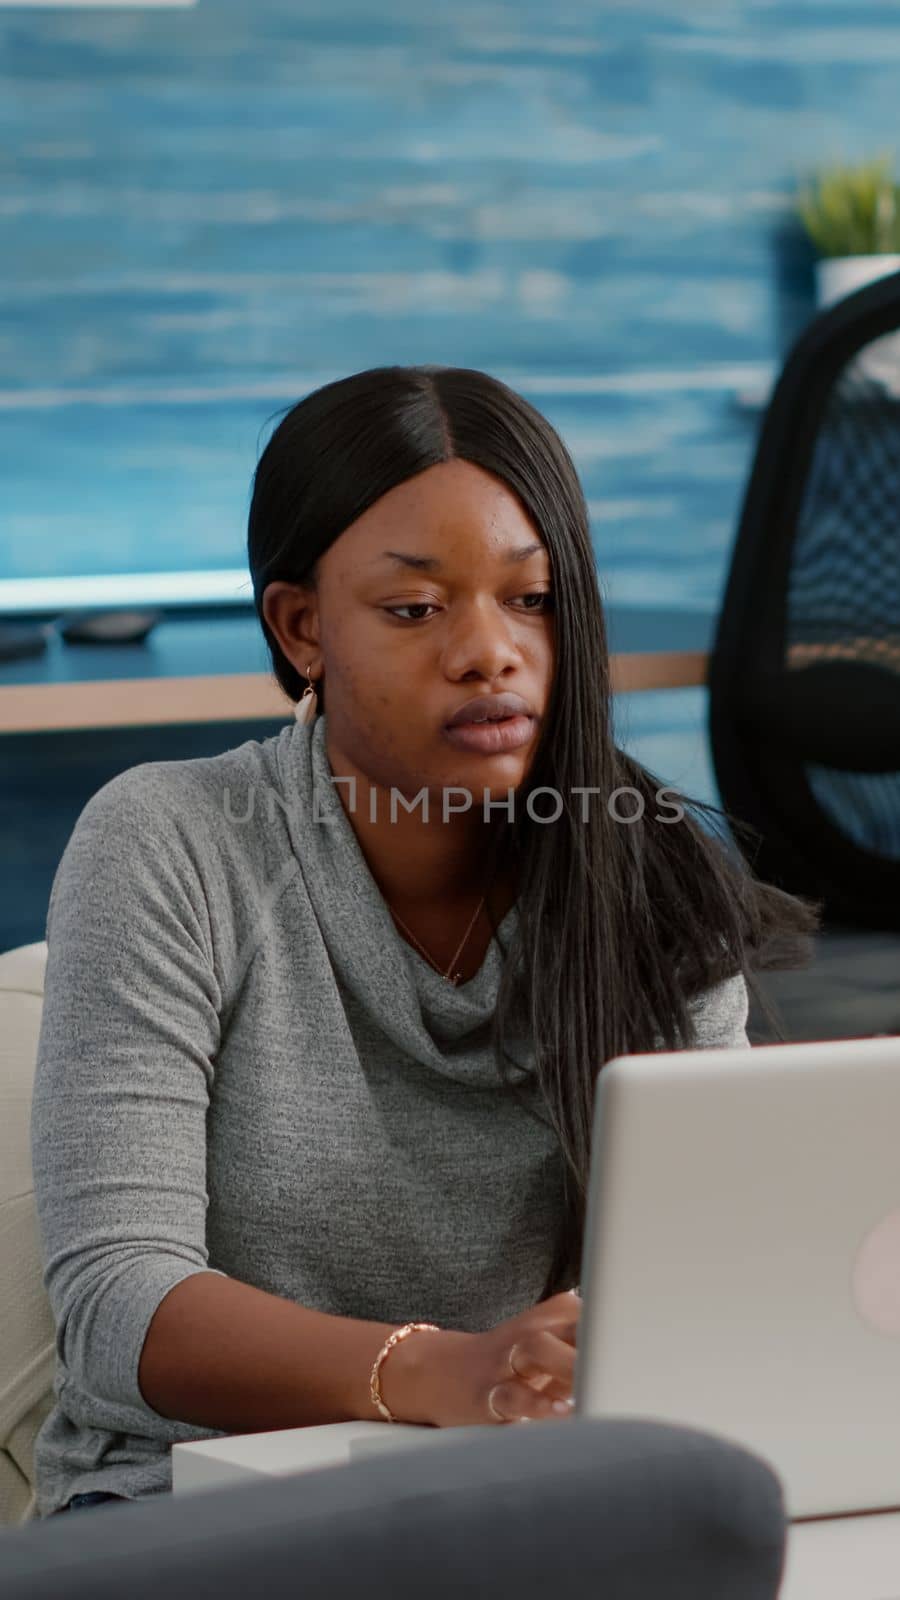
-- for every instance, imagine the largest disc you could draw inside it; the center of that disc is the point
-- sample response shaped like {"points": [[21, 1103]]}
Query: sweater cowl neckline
{"points": [[440, 1024]]}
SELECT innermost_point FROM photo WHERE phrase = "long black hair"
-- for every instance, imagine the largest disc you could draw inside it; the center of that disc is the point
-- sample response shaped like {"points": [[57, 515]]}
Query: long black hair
{"points": [[619, 926]]}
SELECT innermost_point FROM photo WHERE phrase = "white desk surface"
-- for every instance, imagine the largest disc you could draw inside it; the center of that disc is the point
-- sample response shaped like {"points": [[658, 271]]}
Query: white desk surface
{"points": [[840, 1558]]}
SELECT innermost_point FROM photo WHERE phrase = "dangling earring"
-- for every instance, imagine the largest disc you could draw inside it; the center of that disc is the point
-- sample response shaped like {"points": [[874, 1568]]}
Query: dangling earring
{"points": [[305, 710]]}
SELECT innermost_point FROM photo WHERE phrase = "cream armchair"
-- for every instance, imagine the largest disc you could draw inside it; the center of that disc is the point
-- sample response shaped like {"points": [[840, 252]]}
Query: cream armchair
{"points": [[27, 1330]]}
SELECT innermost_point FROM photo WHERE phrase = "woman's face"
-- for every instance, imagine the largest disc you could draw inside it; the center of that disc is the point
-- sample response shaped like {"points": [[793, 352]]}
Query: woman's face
{"points": [[402, 644]]}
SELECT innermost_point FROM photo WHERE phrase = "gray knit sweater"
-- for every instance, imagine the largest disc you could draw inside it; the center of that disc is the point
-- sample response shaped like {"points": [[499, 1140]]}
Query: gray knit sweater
{"points": [[244, 1069]]}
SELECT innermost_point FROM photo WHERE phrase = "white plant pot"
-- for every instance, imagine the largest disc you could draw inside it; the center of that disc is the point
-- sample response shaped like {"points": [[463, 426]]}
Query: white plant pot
{"points": [[838, 276]]}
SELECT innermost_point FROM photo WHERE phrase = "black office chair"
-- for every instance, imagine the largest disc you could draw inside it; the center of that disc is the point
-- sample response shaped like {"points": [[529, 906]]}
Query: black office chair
{"points": [[804, 675]]}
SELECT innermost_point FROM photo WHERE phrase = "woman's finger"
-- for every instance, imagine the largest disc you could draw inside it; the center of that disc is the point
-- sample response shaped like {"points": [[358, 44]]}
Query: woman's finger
{"points": [[544, 1357], [518, 1402], [544, 1383]]}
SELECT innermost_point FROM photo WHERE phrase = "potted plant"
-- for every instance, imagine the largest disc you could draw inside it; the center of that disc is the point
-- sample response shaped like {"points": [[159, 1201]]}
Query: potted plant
{"points": [[852, 216]]}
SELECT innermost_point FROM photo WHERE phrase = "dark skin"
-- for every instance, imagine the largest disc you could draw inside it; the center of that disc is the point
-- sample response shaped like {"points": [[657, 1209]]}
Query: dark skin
{"points": [[393, 681]]}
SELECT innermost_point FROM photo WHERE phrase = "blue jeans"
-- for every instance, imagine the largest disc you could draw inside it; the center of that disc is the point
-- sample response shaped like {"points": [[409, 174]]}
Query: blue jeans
{"points": [[96, 1497]]}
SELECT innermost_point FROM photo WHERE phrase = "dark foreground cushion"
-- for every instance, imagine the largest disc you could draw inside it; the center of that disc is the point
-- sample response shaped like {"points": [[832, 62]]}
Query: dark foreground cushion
{"points": [[619, 1509]]}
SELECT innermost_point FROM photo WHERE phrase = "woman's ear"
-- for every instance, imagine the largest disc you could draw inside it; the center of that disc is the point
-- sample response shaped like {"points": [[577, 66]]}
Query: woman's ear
{"points": [[291, 615]]}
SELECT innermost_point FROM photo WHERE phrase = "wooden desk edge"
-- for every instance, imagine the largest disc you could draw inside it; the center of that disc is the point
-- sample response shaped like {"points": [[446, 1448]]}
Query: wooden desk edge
{"points": [[244, 696]]}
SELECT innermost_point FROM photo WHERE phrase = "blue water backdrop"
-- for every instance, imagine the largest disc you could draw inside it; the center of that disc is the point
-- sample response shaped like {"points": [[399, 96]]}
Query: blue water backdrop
{"points": [[207, 212]]}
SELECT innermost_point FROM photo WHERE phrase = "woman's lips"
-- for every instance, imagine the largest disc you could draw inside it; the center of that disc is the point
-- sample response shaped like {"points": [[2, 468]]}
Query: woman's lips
{"points": [[492, 738]]}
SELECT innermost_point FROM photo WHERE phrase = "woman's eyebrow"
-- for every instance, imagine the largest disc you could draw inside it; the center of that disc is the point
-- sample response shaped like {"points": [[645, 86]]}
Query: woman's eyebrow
{"points": [[432, 564]]}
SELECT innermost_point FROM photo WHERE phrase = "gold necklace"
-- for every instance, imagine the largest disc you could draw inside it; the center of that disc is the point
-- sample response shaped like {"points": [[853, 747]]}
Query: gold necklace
{"points": [[431, 963]]}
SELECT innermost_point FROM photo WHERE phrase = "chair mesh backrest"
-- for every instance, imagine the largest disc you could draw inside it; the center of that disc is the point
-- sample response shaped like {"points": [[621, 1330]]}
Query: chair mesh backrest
{"points": [[843, 597], [804, 675]]}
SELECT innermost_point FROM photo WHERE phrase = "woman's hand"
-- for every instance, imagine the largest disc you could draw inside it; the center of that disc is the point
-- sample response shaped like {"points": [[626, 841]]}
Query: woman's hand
{"points": [[475, 1369]]}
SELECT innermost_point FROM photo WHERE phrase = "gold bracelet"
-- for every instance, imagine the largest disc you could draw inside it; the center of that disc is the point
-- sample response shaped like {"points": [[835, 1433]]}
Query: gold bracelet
{"points": [[374, 1384]]}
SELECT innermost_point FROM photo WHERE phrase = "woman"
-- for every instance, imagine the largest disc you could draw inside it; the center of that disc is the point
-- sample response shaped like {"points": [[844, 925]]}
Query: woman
{"points": [[327, 1010]]}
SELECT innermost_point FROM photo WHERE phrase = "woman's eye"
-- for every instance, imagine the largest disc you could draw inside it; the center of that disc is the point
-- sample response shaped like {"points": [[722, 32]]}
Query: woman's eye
{"points": [[394, 611], [423, 605]]}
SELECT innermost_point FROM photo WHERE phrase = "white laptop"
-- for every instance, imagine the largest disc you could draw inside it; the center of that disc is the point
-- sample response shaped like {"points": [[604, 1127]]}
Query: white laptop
{"points": [[741, 1266]]}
